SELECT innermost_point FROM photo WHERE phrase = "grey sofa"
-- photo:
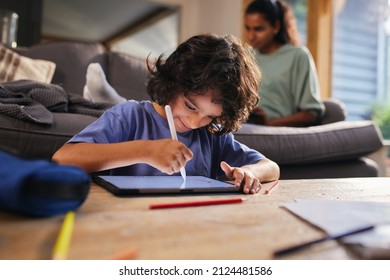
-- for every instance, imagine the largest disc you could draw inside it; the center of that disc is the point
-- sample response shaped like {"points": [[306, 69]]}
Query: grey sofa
{"points": [[336, 148]]}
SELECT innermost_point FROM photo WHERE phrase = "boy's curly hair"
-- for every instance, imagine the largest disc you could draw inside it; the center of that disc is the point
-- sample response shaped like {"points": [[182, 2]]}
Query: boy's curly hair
{"points": [[205, 62]]}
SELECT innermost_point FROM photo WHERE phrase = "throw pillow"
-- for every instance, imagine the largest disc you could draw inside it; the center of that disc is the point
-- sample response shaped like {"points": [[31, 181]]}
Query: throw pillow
{"points": [[16, 67]]}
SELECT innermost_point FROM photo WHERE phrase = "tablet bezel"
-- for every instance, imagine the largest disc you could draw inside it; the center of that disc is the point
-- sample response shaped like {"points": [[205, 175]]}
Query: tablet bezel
{"points": [[111, 184]]}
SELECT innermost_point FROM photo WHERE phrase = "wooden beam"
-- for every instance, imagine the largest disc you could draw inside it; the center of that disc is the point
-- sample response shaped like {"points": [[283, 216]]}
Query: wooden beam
{"points": [[320, 41]]}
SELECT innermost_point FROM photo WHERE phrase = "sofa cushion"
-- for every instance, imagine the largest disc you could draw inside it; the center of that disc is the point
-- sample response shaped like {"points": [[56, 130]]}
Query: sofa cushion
{"points": [[323, 143], [17, 67], [127, 75], [71, 59], [359, 167], [30, 140]]}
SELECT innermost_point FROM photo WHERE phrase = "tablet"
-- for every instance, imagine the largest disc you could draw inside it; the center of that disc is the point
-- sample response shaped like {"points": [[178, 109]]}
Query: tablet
{"points": [[129, 185]]}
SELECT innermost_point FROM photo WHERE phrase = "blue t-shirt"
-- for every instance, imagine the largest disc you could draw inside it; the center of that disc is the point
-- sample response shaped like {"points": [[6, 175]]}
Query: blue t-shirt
{"points": [[133, 120]]}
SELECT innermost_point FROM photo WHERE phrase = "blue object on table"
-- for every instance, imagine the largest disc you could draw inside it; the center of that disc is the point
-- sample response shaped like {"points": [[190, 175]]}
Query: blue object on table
{"points": [[40, 187]]}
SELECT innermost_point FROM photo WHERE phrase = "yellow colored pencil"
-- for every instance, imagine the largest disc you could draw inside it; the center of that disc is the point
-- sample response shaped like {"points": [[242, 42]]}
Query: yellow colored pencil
{"points": [[61, 247]]}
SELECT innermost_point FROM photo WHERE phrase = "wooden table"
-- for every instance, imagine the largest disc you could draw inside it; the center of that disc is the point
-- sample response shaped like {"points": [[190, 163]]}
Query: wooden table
{"points": [[250, 230]]}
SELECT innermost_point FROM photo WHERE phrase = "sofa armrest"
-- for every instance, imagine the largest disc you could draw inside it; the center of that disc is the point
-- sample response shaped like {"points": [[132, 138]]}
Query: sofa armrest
{"points": [[335, 111]]}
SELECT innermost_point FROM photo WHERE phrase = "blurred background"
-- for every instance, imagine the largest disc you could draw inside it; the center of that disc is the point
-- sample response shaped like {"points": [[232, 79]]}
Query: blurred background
{"points": [[349, 39]]}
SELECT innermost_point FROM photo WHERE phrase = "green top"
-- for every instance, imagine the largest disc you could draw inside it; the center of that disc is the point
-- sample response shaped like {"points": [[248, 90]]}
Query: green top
{"points": [[290, 82]]}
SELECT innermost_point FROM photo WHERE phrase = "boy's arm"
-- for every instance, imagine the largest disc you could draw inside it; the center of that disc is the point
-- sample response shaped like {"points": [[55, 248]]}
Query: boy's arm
{"points": [[264, 170], [166, 155], [252, 175]]}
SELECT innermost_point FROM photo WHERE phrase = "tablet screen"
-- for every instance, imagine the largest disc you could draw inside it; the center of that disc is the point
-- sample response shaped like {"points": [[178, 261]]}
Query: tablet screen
{"points": [[122, 185]]}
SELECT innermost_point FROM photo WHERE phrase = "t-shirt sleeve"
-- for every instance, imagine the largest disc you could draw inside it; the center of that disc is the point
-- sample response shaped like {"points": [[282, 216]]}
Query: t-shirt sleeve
{"points": [[305, 84], [109, 128], [235, 153]]}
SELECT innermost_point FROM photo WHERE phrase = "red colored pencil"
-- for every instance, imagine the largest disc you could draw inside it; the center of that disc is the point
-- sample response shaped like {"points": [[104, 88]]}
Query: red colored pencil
{"points": [[195, 203], [267, 191]]}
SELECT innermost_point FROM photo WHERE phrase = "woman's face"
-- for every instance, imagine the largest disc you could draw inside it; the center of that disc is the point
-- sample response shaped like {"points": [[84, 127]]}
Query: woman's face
{"points": [[260, 33], [194, 111]]}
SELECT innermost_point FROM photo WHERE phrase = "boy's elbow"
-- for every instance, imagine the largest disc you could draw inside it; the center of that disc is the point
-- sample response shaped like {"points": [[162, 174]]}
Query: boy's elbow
{"points": [[58, 157], [62, 155], [276, 169], [273, 170]]}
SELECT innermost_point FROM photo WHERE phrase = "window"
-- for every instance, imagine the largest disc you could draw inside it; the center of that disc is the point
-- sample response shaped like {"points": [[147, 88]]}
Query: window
{"points": [[359, 56], [137, 27], [156, 36], [359, 75], [300, 9]]}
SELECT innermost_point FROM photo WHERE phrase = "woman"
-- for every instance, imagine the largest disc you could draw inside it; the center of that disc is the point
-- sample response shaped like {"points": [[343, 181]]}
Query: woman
{"points": [[290, 93]]}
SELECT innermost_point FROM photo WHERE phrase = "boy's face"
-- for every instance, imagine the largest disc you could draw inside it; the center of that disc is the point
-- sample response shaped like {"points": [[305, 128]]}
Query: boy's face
{"points": [[260, 33], [194, 111]]}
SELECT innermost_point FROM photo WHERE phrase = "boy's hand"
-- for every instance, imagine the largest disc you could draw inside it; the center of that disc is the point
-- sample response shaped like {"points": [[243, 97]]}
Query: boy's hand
{"points": [[242, 178], [168, 155]]}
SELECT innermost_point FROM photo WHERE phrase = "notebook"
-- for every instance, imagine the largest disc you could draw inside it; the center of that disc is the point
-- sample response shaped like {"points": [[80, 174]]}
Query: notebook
{"points": [[130, 185]]}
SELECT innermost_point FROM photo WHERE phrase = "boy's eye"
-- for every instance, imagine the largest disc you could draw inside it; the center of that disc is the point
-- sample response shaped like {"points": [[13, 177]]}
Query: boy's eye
{"points": [[189, 106]]}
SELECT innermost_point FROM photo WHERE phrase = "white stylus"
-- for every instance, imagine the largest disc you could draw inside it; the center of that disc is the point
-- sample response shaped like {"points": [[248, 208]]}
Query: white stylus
{"points": [[172, 128]]}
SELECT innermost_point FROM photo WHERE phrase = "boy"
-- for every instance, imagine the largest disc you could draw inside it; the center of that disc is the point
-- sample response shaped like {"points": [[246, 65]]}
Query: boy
{"points": [[211, 84]]}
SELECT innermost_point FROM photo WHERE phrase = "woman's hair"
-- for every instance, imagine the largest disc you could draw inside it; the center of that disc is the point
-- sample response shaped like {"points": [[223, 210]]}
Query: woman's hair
{"points": [[274, 11], [206, 62]]}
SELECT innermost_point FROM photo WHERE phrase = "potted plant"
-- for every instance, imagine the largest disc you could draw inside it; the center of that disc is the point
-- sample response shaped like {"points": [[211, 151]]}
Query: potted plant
{"points": [[381, 117]]}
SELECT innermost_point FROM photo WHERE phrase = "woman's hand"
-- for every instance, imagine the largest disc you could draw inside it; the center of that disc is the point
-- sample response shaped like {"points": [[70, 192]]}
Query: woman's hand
{"points": [[168, 155], [258, 116], [250, 184]]}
